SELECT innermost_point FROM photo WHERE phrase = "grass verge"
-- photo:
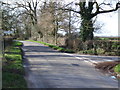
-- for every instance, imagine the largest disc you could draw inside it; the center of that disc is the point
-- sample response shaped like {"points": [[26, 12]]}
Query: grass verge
{"points": [[117, 68], [55, 47], [13, 71]]}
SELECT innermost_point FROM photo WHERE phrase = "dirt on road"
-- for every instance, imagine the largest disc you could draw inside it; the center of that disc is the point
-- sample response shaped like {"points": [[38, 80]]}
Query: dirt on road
{"points": [[108, 67]]}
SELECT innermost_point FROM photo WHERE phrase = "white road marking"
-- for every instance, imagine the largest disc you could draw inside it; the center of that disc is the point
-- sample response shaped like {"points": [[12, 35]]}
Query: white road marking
{"points": [[83, 58], [87, 59], [78, 57]]}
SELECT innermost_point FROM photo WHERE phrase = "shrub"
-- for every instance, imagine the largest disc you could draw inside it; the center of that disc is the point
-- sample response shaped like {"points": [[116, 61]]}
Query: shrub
{"points": [[117, 68]]}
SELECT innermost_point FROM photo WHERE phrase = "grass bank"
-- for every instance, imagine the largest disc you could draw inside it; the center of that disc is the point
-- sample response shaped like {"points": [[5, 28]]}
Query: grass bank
{"points": [[13, 71], [55, 47]]}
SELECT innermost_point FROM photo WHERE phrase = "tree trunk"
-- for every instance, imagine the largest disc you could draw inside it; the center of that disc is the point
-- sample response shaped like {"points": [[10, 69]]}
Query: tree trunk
{"points": [[86, 30]]}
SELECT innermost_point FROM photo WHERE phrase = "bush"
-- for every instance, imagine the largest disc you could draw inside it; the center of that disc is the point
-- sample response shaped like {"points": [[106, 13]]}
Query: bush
{"points": [[100, 51], [117, 68], [87, 52]]}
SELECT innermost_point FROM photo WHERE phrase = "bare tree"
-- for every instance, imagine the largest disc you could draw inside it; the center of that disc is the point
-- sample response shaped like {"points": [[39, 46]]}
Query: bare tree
{"points": [[87, 12], [51, 20], [31, 7]]}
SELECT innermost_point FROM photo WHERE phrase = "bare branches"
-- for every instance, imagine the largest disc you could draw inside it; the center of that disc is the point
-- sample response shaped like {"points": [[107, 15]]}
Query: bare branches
{"points": [[68, 4], [64, 8], [104, 4], [97, 6], [22, 6], [68, 9], [31, 8], [105, 11]]}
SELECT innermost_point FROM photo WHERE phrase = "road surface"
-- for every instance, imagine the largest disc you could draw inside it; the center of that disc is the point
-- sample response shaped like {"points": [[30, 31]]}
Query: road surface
{"points": [[47, 68]]}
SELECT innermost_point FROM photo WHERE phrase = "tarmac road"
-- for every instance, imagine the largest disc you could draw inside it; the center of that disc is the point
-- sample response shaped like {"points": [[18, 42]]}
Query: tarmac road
{"points": [[47, 68]]}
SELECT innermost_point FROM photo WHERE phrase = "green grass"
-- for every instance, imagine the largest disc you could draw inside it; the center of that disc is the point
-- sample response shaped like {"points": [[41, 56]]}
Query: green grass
{"points": [[13, 56], [14, 66], [14, 49], [104, 38], [12, 80], [13, 70], [54, 47], [117, 68], [17, 43], [108, 38]]}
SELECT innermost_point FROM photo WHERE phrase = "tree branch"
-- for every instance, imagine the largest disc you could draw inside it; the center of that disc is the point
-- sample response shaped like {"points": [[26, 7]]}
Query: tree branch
{"points": [[107, 11], [66, 9], [22, 6], [104, 4], [29, 4]]}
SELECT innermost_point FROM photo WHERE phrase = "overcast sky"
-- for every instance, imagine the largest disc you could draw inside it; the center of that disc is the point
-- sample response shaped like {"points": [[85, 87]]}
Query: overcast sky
{"points": [[109, 21]]}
